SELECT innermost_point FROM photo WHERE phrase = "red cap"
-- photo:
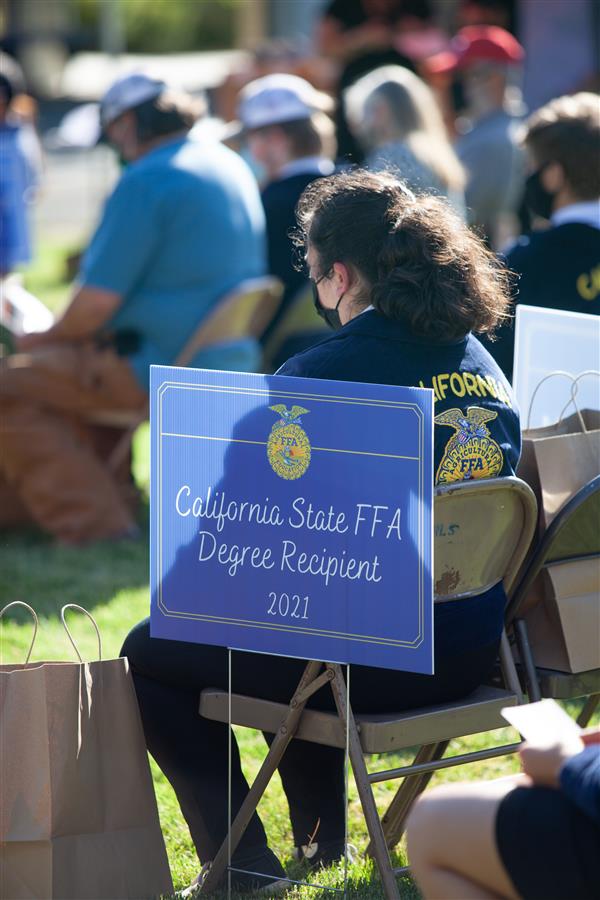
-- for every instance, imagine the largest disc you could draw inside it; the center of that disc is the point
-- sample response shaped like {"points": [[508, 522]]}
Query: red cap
{"points": [[478, 43]]}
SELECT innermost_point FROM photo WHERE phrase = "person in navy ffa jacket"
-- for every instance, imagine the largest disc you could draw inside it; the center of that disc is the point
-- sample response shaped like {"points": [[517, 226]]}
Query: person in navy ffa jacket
{"points": [[558, 267], [403, 283]]}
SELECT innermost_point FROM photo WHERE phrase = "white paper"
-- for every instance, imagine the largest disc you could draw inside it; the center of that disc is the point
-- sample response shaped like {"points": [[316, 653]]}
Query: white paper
{"points": [[541, 723], [20, 311], [552, 340]]}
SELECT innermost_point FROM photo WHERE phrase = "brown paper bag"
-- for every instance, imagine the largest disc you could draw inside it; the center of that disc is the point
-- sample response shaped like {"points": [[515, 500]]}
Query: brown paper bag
{"points": [[558, 460], [564, 627], [562, 607], [78, 815]]}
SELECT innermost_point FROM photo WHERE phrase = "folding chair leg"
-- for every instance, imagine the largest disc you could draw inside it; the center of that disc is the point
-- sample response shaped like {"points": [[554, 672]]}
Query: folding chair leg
{"points": [[509, 670], [524, 647], [286, 731], [394, 818], [365, 792], [588, 710]]}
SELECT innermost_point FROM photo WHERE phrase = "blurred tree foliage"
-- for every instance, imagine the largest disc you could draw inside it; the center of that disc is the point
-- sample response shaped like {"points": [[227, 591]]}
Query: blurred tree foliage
{"points": [[168, 26]]}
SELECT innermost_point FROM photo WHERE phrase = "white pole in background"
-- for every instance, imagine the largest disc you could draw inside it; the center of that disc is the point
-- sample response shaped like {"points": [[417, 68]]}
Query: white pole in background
{"points": [[112, 27]]}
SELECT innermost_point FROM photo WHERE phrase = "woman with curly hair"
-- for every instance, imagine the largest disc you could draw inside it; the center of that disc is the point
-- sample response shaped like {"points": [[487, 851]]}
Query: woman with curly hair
{"points": [[404, 283]]}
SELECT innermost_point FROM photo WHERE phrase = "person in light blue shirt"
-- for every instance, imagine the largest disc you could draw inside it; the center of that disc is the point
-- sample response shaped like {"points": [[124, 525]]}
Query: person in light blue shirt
{"points": [[183, 227]]}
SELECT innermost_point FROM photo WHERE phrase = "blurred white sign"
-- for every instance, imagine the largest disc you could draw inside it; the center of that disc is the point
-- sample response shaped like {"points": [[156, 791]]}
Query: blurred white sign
{"points": [[555, 341], [20, 311], [86, 76]]}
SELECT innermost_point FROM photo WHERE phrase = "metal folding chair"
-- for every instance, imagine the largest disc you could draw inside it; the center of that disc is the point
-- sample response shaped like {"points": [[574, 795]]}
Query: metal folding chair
{"points": [[243, 312], [573, 534], [492, 526]]}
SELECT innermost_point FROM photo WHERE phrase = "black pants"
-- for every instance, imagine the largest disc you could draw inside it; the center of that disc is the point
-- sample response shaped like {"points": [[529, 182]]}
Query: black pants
{"points": [[535, 825], [193, 751]]}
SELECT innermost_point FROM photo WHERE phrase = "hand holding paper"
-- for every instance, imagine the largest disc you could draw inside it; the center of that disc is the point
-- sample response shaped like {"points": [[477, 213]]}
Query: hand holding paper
{"points": [[552, 739], [543, 764]]}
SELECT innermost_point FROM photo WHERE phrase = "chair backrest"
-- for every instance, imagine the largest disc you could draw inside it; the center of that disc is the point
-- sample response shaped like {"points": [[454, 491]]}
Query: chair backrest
{"points": [[573, 534], [482, 532], [299, 318], [244, 312]]}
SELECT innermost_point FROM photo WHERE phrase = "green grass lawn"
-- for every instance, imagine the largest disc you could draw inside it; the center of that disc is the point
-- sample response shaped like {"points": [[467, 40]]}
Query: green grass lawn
{"points": [[111, 581]]}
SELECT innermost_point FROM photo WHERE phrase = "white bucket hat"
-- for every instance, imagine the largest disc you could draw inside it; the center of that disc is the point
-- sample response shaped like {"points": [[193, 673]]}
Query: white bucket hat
{"points": [[275, 99], [127, 93]]}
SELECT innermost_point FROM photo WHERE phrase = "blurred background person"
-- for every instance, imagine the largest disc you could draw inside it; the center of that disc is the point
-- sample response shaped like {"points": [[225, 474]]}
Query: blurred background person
{"points": [[396, 118], [499, 839], [20, 168], [362, 35], [559, 267], [290, 138], [488, 61], [183, 226]]}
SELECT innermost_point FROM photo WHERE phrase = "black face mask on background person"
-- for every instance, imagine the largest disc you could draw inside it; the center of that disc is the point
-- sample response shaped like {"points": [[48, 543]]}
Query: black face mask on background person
{"points": [[331, 316], [537, 198]]}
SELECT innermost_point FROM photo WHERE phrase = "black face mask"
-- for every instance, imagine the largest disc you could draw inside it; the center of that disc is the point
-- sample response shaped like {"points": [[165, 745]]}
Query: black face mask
{"points": [[331, 316], [537, 198]]}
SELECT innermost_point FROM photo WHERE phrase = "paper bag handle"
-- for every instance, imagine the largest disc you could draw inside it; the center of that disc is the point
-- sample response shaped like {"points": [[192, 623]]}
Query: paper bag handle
{"points": [[574, 389], [35, 621], [538, 386], [574, 379], [70, 636]]}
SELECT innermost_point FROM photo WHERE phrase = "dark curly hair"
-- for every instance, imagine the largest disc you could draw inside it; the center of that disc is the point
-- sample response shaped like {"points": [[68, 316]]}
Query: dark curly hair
{"points": [[414, 259]]}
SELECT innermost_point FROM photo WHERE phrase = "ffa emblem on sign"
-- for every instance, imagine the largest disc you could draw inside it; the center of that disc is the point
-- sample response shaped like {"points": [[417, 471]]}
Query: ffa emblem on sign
{"points": [[470, 452], [288, 447]]}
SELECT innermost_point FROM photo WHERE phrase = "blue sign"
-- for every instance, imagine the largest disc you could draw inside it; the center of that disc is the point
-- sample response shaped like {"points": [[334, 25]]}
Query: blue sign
{"points": [[292, 516]]}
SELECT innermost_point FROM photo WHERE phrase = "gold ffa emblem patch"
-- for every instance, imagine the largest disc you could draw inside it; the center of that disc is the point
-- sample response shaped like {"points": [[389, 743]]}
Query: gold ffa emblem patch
{"points": [[470, 452], [288, 447]]}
